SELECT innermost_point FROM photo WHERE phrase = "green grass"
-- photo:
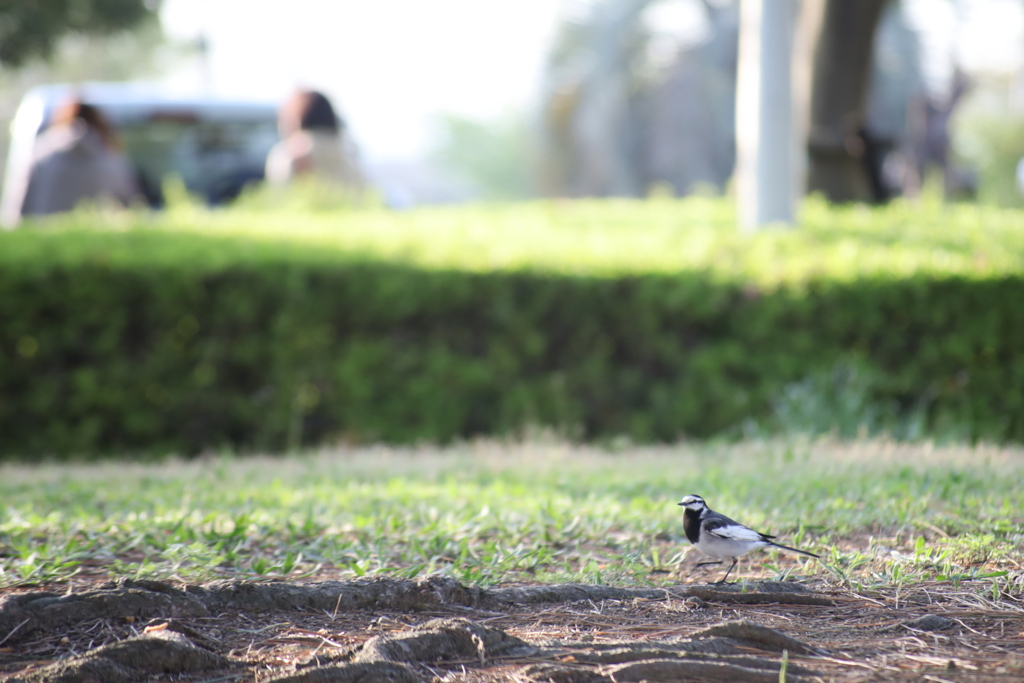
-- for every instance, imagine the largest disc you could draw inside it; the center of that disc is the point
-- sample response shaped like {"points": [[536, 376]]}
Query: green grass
{"points": [[878, 512], [486, 513], [593, 237]]}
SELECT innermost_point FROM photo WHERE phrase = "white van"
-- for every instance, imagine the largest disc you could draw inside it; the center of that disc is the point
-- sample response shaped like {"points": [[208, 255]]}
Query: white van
{"points": [[215, 145]]}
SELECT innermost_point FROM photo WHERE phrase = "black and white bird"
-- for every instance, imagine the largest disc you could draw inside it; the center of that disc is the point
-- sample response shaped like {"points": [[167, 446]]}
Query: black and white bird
{"points": [[721, 538]]}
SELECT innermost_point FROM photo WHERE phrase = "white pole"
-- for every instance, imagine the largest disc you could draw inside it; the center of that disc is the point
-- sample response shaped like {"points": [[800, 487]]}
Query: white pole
{"points": [[765, 141]]}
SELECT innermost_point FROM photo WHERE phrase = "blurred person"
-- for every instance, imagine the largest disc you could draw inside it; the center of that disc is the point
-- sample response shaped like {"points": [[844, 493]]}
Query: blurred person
{"points": [[928, 143], [313, 143], [77, 158]]}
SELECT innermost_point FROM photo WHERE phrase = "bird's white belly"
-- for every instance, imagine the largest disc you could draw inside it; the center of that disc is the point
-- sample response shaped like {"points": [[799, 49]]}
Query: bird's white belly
{"points": [[721, 549]]}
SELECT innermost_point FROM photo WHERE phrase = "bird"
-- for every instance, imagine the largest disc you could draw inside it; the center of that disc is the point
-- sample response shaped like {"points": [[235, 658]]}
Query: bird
{"points": [[721, 538]]}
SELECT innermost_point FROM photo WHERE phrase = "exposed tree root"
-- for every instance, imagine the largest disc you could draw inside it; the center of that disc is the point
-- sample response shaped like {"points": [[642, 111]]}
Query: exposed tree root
{"points": [[721, 653], [692, 660], [25, 614], [448, 640], [441, 640], [360, 672], [683, 670], [711, 595], [374, 593], [571, 592], [749, 634], [159, 652], [761, 587], [760, 592], [559, 673], [361, 632]]}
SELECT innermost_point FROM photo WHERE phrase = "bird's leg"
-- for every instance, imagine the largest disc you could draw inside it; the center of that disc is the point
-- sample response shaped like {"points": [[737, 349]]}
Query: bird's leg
{"points": [[734, 561], [708, 564]]}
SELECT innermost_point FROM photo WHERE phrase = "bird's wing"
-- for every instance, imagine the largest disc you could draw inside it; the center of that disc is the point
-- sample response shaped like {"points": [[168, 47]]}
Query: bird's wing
{"points": [[730, 530]]}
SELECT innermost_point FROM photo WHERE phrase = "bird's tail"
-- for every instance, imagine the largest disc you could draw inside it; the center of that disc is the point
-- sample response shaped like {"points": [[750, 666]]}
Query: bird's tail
{"points": [[794, 550]]}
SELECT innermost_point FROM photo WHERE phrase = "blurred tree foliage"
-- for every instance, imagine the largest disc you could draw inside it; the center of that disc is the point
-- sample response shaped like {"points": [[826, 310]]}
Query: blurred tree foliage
{"points": [[993, 142], [641, 94], [32, 29], [495, 156]]}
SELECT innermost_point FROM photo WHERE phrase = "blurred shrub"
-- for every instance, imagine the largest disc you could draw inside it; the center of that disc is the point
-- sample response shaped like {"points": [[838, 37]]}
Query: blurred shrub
{"points": [[849, 401], [994, 144], [303, 195], [146, 340]]}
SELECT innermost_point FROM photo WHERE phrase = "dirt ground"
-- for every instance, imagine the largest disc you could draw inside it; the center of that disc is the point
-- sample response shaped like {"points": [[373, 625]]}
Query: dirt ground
{"points": [[435, 629]]}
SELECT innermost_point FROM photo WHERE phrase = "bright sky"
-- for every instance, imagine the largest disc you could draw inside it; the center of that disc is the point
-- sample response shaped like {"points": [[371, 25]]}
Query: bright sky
{"points": [[979, 35], [389, 65], [392, 65]]}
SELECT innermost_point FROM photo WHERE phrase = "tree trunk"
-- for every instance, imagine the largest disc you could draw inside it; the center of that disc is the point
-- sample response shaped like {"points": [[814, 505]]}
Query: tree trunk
{"points": [[839, 81], [765, 137]]}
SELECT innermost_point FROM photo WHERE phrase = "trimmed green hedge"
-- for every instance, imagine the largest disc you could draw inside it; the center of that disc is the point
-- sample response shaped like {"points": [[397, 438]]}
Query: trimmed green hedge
{"points": [[163, 340]]}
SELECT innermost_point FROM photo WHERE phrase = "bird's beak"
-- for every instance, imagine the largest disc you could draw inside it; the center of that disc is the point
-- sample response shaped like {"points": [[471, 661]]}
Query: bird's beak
{"points": [[678, 503]]}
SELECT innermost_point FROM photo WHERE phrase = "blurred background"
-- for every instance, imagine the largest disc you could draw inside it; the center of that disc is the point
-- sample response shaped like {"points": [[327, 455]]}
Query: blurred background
{"points": [[461, 100], [417, 296]]}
